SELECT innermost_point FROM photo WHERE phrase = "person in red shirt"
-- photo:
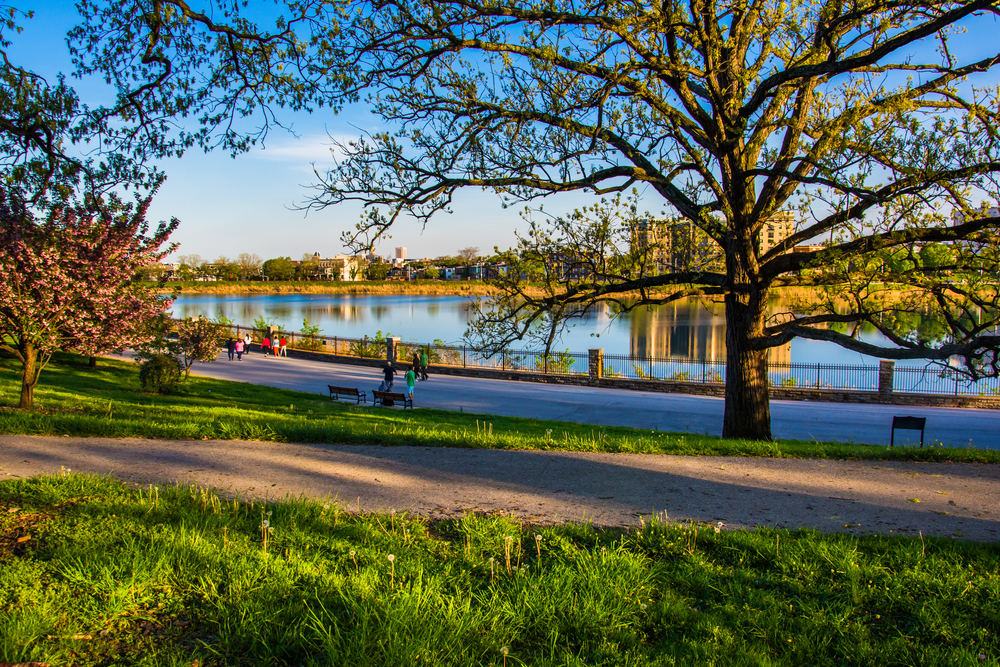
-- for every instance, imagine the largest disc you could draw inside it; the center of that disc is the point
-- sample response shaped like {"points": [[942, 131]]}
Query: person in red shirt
{"points": [[265, 346], [284, 350]]}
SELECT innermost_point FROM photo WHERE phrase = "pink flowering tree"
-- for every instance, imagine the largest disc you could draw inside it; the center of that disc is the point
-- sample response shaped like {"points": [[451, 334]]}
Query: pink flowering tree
{"points": [[67, 280]]}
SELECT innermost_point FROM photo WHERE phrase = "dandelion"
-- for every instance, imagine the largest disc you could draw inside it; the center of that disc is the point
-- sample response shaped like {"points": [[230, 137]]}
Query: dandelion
{"points": [[354, 559], [718, 527], [265, 530], [643, 606], [538, 546], [392, 562], [491, 569], [504, 650]]}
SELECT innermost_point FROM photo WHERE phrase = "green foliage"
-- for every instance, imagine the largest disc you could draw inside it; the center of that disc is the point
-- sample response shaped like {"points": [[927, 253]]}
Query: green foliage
{"points": [[159, 373], [377, 270], [560, 362], [280, 268], [370, 348], [310, 336], [181, 575]]}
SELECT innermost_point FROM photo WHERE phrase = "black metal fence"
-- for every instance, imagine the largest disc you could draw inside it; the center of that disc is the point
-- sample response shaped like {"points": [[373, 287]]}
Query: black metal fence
{"points": [[906, 379]]}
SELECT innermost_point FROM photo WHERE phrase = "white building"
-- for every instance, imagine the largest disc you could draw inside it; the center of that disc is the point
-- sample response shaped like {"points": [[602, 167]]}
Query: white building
{"points": [[400, 256]]}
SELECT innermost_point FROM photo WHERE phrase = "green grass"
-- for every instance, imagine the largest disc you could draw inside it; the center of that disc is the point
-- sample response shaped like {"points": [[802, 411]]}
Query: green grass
{"points": [[75, 400], [111, 575]]}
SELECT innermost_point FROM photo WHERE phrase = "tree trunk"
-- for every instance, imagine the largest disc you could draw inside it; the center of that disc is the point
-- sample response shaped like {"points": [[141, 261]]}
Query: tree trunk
{"points": [[748, 407], [92, 363], [29, 377]]}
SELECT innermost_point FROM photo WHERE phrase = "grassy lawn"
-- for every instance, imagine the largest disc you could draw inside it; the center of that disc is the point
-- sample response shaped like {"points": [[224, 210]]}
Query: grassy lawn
{"points": [[96, 573], [75, 400]]}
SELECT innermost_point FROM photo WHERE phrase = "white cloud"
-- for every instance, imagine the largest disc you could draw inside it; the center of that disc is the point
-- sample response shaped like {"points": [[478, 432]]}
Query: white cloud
{"points": [[318, 148]]}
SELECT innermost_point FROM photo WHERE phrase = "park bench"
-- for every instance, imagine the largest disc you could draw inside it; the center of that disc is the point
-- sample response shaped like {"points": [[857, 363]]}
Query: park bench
{"points": [[348, 392], [907, 424], [382, 396]]}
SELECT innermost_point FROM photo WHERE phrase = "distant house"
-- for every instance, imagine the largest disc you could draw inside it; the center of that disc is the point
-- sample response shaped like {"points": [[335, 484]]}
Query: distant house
{"points": [[342, 268]]}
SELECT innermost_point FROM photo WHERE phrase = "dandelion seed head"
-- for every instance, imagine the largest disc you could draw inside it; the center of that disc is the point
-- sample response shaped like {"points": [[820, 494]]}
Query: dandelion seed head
{"points": [[538, 538], [391, 558], [643, 606], [505, 650], [352, 553], [265, 523]]}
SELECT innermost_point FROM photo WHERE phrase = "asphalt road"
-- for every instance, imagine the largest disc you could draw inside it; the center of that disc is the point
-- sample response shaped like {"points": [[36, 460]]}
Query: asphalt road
{"points": [[799, 420]]}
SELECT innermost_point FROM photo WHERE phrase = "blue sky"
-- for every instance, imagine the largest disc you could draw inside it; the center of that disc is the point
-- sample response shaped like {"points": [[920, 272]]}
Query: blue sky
{"points": [[231, 205], [245, 204]]}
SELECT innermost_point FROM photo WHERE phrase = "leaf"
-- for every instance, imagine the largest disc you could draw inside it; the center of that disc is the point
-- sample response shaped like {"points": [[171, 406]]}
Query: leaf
{"points": [[914, 500]]}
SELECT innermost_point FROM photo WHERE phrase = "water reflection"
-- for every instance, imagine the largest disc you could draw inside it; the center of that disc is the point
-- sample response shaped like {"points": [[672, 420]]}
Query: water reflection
{"points": [[686, 329]]}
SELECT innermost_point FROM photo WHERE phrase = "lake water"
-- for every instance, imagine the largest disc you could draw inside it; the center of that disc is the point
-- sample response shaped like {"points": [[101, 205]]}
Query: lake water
{"points": [[685, 329]]}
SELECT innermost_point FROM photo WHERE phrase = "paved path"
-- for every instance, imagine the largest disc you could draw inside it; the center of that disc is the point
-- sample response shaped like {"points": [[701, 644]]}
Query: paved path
{"points": [[959, 500], [799, 420]]}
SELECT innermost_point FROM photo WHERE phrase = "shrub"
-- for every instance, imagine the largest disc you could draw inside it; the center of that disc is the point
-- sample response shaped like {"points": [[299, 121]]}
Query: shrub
{"points": [[159, 374]]}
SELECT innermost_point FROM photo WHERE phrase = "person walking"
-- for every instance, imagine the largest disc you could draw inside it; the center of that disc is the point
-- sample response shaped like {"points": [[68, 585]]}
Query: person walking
{"points": [[246, 342], [265, 346], [275, 347], [231, 348], [239, 350], [416, 362], [284, 348], [424, 360], [411, 381], [388, 372]]}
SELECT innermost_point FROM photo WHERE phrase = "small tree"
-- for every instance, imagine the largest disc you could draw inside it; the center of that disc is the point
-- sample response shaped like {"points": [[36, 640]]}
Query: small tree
{"points": [[249, 264], [199, 340], [67, 281], [279, 268], [377, 270], [468, 255]]}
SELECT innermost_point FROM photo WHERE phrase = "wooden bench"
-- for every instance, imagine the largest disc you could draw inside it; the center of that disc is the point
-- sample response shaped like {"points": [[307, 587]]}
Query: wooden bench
{"points": [[349, 392], [382, 396]]}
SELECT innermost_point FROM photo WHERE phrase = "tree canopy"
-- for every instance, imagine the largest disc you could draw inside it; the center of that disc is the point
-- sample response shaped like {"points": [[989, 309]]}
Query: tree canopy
{"points": [[67, 282], [860, 116]]}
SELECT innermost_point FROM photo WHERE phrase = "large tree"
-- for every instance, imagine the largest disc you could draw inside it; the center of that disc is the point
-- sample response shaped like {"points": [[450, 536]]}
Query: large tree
{"points": [[860, 114], [68, 281]]}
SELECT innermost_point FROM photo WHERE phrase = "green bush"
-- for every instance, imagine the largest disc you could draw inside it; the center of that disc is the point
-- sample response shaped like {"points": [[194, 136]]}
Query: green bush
{"points": [[159, 374]]}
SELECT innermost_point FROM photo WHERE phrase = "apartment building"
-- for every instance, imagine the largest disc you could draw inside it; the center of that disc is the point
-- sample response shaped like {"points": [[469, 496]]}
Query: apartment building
{"points": [[677, 245]]}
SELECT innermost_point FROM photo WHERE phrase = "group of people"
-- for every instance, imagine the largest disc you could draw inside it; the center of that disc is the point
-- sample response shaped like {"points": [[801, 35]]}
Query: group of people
{"points": [[237, 346], [275, 346], [420, 362]]}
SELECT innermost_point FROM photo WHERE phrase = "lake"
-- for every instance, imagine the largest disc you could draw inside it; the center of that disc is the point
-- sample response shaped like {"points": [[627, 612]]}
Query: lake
{"points": [[686, 329]]}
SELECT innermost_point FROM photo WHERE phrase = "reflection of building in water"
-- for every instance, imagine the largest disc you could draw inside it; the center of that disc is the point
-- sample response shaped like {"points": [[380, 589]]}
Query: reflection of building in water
{"points": [[688, 329]]}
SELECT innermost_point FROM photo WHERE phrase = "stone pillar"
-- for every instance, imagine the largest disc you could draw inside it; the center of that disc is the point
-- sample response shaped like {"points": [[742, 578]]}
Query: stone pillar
{"points": [[885, 374], [595, 363], [391, 348]]}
